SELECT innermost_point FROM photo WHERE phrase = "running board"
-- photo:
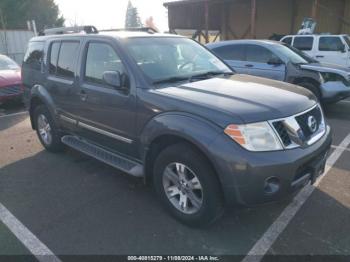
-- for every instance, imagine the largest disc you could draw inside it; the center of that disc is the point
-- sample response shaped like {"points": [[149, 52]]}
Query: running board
{"points": [[128, 166]]}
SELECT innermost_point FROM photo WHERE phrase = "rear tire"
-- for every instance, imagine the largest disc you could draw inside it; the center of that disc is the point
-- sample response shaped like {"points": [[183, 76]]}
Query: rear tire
{"points": [[314, 89], [47, 130], [187, 186]]}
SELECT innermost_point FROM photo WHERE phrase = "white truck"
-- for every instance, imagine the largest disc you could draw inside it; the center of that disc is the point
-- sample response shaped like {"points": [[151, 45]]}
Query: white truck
{"points": [[333, 49]]}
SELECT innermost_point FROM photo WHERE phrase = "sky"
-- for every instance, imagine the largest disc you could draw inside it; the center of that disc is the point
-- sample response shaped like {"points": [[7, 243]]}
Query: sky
{"points": [[107, 14]]}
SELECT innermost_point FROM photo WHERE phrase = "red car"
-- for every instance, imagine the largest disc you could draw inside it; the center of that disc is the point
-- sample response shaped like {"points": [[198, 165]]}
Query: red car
{"points": [[11, 87]]}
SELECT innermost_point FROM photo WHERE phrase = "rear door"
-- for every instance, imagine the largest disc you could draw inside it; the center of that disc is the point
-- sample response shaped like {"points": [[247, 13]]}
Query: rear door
{"points": [[305, 44], [258, 58], [331, 49], [62, 80], [234, 56]]}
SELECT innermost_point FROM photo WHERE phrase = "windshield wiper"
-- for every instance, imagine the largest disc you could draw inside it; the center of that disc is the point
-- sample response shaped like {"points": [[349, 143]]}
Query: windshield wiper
{"points": [[171, 80], [209, 74]]}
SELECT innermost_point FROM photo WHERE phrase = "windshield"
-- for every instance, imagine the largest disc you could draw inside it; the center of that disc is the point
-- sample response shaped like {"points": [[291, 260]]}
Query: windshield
{"points": [[294, 55], [7, 63], [347, 40], [173, 57]]}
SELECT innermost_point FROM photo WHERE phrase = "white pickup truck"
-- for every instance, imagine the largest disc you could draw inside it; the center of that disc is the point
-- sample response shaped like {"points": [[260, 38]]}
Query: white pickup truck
{"points": [[334, 49]]}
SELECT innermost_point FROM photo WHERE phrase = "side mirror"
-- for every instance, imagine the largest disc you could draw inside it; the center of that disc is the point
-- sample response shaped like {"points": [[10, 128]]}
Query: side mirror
{"points": [[275, 61], [113, 78], [343, 49]]}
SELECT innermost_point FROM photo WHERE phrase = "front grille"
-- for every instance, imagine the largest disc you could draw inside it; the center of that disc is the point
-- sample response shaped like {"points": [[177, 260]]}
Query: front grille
{"points": [[303, 121], [10, 90], [282, 132], [295, 131]]}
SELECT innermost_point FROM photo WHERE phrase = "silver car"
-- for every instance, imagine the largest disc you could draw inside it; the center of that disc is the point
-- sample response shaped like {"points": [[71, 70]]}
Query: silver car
{"points": [[330, 83]]}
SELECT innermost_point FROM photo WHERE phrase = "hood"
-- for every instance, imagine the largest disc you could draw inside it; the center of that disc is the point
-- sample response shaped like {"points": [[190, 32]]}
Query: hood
{"points": [[10, 77], [327, 68], [251, 99]]}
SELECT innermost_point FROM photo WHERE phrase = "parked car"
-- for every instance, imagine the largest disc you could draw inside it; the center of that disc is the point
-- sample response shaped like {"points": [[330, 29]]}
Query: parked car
{"points": [[278, 61], [164, 108], [10, 80], [332, 49]]}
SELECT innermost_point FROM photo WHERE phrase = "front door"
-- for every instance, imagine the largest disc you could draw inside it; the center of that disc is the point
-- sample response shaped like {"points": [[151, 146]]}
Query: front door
{"points": [[258, 58], [331, 49], [106, 115]]}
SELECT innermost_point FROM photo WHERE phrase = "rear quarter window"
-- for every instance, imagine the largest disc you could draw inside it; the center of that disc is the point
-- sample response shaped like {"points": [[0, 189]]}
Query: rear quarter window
{"points": [[303, 43], [34, 55]]}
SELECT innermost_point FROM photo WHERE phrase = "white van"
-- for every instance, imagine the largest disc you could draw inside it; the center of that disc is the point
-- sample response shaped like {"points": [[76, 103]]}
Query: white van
{"points": [[332, 49]]}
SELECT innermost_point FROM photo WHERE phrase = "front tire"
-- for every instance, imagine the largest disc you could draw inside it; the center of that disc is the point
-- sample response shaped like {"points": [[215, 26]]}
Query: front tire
{"points": [[46, 129], [187, 186]]}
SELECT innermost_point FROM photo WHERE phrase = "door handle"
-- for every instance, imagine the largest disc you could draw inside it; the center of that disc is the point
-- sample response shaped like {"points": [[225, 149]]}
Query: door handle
{"points": [[320, 56], [249, 65], [83, 95]]}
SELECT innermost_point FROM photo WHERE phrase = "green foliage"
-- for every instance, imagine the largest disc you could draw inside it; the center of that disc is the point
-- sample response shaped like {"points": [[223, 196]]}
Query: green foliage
{"points": [[132, 18], [16, 13]]}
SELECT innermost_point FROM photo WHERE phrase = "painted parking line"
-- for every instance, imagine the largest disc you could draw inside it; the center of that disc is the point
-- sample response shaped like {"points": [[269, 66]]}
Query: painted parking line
{"points": [[278, 226], [14, 114], [345, 149], [27, 238]]}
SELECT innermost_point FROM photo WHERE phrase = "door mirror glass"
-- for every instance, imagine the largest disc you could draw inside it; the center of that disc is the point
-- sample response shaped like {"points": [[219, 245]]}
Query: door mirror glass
{"points": [[275, 61], [113, 78]]}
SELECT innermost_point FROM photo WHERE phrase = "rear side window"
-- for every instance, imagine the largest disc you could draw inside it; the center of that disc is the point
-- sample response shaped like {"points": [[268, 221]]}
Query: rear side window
{"points": [[259, 54], [330, 43], [66, 59], [303, 43], [55, 48], [288, 40], [34, 55], [100, 58], [231, 52]]}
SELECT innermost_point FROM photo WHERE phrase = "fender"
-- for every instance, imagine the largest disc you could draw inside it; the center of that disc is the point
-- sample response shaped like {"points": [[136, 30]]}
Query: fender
{"points": [[40, 92]]}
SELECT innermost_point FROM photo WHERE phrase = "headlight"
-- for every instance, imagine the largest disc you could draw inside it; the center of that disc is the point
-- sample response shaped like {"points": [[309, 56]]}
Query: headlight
{"points": [[254, 137], [333, 77]]}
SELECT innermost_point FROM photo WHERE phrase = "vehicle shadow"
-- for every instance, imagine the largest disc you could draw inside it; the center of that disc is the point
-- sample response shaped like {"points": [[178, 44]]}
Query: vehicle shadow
{"points": [[340, 110], [77, 205], [8, 122]]}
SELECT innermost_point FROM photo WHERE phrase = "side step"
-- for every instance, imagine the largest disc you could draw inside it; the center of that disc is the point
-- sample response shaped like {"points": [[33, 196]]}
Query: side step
{"points": [[128, 166]]}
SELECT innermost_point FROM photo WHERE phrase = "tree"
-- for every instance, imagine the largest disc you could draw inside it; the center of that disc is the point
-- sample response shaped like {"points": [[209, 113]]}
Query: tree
{"points": [[132, 18], [17, 13]]}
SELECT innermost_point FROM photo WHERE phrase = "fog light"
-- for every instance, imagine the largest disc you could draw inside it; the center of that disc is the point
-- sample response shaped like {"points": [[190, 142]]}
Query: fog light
{"points": [[272, 185]]}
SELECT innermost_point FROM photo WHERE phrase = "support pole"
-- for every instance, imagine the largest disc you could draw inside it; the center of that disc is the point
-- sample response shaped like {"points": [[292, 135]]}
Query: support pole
{"points": [[253, 19], [206, 16], [314, 10]]}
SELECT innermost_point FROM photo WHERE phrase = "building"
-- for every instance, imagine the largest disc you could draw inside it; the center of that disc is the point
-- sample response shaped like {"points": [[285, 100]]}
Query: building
{"points": [[13, 43], [236, 19]]}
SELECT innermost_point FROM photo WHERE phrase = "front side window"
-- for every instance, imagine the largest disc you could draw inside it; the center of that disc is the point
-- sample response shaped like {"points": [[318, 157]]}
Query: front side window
{"points": [[100, 58], [231, 52], [66, 59], [259, 54], [330, 43], [303, 43], [34, 55], [167, 57]]}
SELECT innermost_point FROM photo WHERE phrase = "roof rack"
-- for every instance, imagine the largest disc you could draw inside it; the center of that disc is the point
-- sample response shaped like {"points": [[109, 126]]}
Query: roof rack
{"points": [[133, 29], [88, 29]]}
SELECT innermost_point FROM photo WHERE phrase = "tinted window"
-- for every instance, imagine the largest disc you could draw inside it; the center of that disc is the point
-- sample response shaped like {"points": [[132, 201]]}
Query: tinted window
{"points": [[66, 59], [288, 40], [231, 52], [55, 48], [34, 55], [99, 59], [258, 54], [7, 63], [303, 43], [329, 43]]}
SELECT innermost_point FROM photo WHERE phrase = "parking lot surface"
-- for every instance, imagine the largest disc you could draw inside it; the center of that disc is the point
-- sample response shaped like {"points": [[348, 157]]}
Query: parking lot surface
{"points": [[77, 205]]}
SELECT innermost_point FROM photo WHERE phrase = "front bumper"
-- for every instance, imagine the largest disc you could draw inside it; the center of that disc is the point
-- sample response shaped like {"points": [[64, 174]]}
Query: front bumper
{"points": [[334, 91], [243, 174]]}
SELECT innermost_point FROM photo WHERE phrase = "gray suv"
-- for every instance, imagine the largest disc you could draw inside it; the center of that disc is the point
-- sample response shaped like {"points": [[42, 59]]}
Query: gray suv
{"points": [[330, 83], [164, 108]]}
